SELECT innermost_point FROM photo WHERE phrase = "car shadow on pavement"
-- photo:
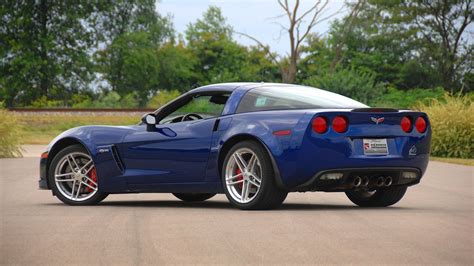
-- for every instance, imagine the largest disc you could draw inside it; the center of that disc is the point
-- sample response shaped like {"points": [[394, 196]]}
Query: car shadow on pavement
{"points": [[227, 205]]}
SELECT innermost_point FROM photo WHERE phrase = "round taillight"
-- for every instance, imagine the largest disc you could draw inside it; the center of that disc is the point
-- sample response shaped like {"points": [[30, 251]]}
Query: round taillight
{"points": [[320, 125], [420, 124], [339, 124], [405, 124]]}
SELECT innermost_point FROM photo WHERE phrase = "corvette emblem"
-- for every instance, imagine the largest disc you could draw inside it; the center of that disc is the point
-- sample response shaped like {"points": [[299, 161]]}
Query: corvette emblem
{"points": [[377, 120]]}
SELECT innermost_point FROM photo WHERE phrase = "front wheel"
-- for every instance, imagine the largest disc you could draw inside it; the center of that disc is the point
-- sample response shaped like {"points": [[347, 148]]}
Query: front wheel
{"points": [[248, 178], [193, 197], [378, 198], [73, 177]]}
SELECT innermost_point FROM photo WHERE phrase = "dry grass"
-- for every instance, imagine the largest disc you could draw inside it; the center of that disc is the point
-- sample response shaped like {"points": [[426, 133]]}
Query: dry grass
{"points": [[452, 123], [10, 135], [41, 128]]}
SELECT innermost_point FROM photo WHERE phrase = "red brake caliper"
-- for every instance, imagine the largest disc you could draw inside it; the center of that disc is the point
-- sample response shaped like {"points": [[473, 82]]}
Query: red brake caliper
{"points": [[238, 172], [93, 176]]}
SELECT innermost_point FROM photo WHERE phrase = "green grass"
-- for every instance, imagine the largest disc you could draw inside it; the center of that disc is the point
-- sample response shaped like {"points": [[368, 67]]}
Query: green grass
{"points": [[42, 128]]}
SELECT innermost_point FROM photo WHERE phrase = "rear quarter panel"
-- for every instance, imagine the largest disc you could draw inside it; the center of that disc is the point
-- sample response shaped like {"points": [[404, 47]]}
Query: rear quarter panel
{"points": [[304, 153]]}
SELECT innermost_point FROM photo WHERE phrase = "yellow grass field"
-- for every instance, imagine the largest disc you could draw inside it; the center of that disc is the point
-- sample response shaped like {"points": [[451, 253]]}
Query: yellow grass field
{"points": [[41, 128]]}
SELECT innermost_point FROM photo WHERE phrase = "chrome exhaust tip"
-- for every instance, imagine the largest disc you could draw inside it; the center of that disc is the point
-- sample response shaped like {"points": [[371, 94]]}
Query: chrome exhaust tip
{"points": [[388, 181], [357, 181], [365, 181], [380, 181]]}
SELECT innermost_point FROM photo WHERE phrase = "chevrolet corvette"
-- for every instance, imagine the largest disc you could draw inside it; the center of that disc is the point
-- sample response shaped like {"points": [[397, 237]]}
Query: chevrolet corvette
{"points": [[255, 142]]}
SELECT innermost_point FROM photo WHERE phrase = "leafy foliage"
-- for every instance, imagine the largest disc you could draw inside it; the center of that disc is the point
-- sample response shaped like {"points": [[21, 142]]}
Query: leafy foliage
{"points": [[452, 123], [162, 98], [410, 98], [44, 48], [357, 85], [109, 99]]}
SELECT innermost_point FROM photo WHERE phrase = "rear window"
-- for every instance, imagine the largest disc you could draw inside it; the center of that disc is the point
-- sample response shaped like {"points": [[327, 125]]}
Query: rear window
{"points": [[293, 97]]}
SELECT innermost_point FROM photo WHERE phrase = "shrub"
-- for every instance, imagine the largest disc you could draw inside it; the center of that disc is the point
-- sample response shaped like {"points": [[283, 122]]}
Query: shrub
{"points": [[408, 99], [10, 135], [108, 99], [44, 102], [357, 85], [162, 97], [452, 123]]}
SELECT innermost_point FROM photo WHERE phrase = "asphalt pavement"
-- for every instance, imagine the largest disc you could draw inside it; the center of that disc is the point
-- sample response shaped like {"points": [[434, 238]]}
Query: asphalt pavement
{"points": [[433, 224]]}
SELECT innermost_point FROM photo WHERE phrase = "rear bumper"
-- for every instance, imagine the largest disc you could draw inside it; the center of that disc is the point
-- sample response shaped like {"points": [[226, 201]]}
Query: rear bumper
{"points": [[346, 176]]}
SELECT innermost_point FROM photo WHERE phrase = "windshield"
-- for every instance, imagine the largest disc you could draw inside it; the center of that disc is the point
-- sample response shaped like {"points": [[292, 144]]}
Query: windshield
{"points": [[293, 97]]}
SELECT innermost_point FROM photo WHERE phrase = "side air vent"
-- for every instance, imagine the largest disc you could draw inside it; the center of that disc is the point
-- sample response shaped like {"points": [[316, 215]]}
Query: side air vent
{"points": [[375, 110], [117, 158]]}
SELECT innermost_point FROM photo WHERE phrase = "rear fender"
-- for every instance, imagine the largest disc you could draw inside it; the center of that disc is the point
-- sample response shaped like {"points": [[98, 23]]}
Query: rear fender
{"points": [[261, 127]]}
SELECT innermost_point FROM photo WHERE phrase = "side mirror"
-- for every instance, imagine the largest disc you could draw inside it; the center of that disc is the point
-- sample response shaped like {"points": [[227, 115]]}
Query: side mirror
{"points": [[150, 121]]}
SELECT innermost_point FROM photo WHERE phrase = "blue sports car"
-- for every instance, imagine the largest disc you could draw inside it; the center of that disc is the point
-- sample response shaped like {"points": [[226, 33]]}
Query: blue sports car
{"points": [[255, 142]]}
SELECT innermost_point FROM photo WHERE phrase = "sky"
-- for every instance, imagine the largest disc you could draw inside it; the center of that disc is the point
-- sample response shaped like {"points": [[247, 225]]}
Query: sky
{"points": [[253, 17]]}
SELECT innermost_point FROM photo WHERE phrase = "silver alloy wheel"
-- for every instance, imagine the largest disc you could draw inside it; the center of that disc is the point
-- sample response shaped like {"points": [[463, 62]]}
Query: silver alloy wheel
{"points": [[243, 175], [75, 176]]}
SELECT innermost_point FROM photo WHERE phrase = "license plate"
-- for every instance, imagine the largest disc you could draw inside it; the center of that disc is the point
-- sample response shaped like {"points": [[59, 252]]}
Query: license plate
{"points": [[375, 147]]}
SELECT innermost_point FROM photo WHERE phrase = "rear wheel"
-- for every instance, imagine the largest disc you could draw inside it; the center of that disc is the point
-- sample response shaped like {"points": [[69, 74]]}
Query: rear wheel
{"points": [[378, 198], [248, 178], [191, 197], [73, 177]]}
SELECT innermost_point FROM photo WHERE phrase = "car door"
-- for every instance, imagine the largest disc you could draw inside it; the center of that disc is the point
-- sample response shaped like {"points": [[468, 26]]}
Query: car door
{"points": [[177, 151]]}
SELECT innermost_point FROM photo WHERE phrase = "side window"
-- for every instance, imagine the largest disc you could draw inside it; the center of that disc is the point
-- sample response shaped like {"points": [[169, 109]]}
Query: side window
{"points": [[200, 107], [257, 101]]}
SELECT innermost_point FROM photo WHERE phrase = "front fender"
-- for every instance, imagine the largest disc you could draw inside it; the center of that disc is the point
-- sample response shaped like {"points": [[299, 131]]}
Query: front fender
{"points": [[99, 141]]}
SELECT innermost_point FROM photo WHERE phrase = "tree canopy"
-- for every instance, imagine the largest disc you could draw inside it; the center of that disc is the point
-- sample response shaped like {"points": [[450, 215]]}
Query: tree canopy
{"points": [[56, 54]]}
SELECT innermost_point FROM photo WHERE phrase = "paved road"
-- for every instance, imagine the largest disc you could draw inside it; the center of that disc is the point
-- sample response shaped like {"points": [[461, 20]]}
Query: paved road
{"points": [[432, 225]]}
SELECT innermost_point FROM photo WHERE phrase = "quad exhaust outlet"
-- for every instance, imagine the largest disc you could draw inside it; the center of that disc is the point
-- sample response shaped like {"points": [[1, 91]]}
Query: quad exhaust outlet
{"points": [[357, 181], [380, 181], [364, 181]]}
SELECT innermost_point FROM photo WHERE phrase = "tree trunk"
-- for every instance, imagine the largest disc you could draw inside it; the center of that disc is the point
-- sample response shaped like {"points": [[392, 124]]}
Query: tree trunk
{"points": [[290, 76], [44, 75]]}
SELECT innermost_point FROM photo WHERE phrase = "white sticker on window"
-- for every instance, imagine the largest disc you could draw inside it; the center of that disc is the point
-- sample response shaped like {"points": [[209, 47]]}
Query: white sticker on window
{"points": [[260, 101]]}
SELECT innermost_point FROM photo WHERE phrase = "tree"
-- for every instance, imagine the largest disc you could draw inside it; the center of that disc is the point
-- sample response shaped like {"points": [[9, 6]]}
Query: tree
{"points": [[176, 65], [345, 29], [130, 63], [132, 33], [219, 57], [298, 33], [407, 43], [44, 47], [440, 26]]}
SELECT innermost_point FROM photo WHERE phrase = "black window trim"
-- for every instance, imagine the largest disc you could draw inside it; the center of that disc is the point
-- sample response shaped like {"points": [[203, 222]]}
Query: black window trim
{"points": [[175, 104]]}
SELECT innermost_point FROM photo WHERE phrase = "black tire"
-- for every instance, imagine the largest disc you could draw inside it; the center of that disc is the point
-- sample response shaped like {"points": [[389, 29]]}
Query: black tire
{"points": [[381, 198], [270, 196], [193, 197], [96, 198]]}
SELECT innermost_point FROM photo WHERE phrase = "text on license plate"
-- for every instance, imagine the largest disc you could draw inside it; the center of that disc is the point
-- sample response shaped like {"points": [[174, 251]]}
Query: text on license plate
{"points": [[375, 147]]}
